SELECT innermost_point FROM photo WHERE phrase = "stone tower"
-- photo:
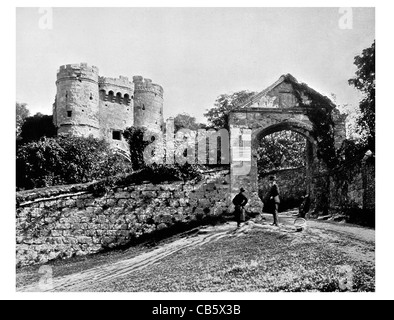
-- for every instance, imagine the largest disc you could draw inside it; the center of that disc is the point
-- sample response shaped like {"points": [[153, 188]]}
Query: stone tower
{"points": [[76, 109], [148, 104], [116, 109], [88, 104]]}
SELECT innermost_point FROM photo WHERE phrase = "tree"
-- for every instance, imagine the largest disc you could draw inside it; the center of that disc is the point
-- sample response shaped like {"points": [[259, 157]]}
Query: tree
{"points": [[66, 160], [36, 127], [21, 114], [137, 145], [365, 82], [185, 121], [284, 149], [218, 116]]}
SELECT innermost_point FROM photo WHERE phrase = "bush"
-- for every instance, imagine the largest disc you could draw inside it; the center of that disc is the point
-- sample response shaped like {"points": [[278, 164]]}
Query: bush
{"points": [[355, 214], [177, 172], [37, 127], [66, 160], [135, 138]]}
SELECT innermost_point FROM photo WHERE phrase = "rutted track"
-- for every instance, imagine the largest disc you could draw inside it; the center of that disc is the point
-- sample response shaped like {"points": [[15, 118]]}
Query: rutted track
{"points": [[356, 242], [82, 281]]}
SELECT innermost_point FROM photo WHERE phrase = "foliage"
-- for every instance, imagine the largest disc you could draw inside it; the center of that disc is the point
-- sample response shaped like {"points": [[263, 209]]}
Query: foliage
{"points": [[356, 215], [66, 160], [218, 116], [185, 121], [36, 127], [319, 110], [21, 114], [365, 82], [284, 149], [135, 138], [153, 174], [177, 172]]}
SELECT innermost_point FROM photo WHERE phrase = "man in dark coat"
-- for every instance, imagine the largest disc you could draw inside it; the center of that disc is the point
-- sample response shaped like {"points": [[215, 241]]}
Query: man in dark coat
{"points": [[239, 202], [274, 200]]}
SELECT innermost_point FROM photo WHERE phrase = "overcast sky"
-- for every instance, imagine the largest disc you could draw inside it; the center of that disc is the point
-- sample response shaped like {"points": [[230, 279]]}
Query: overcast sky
{"points": [[196, 54]]}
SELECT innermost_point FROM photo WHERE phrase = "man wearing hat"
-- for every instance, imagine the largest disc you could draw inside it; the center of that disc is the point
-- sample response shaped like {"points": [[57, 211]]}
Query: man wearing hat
{"points": [[239, 202], [274, 200]]}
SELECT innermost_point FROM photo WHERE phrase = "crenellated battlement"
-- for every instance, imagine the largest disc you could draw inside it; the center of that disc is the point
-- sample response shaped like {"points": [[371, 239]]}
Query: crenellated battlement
{"points": [[118, 82], [141, 84], [78, 71], [90, 104]]}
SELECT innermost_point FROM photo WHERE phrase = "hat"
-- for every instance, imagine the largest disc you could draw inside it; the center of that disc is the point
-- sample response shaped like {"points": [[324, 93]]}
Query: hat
{"points": [[272, 178], [242, 190]]}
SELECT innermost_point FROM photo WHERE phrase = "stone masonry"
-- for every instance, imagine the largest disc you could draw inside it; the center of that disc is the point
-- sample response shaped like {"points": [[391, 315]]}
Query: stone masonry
{"points": [[89, 104], [67, 221]]}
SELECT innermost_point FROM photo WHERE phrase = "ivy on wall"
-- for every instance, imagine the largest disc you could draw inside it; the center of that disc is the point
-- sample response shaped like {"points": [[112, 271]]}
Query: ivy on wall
{"points": [[319, 111]]}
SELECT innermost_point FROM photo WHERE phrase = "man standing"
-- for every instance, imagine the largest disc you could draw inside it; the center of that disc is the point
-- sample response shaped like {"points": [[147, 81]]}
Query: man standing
{"points": [[239, 202], [274, 200]]}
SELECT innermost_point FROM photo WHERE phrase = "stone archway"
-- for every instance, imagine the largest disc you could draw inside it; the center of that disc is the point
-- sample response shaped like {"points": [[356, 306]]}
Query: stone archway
{"points": [[286, 105]]}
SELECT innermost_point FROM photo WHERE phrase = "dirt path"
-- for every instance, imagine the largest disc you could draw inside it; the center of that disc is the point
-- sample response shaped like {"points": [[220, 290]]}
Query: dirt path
{"points": [[356, 242]]}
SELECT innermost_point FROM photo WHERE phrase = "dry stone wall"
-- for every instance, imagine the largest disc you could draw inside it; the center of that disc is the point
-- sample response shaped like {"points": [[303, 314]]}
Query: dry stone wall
{"points": [[67, 221]]}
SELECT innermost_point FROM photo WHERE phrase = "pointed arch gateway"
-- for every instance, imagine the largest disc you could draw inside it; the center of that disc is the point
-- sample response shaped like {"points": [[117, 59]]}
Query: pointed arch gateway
{"points": [[285, 105]]}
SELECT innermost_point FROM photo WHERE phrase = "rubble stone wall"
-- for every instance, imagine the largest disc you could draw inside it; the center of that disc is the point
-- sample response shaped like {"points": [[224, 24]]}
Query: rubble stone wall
{"points": [[67, 221]]}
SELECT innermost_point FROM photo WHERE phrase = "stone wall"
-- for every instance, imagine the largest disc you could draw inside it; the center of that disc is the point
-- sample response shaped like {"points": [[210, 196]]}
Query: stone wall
{"points": [[67, 221], [353, 187], [76, 108], [116, 109], [88, 104], [292, 185], [148, 104]]}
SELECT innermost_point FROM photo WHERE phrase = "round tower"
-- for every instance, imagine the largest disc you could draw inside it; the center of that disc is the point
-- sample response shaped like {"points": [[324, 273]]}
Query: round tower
{"points": [[148, 104], [76, 110]]}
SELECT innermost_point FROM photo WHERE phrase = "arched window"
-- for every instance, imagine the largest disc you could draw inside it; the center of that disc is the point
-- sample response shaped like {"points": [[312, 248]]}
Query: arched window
{"points": [[118, 97], [143, 107], [111, 96], [102, 94], [126, 99]]}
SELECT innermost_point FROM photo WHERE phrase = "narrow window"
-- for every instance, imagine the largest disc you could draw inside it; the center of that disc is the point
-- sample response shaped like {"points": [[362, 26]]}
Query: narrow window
{"points": [[116, 135], [111, 96], [126, 99], [119, 98], [91, 97], [69, 114]]}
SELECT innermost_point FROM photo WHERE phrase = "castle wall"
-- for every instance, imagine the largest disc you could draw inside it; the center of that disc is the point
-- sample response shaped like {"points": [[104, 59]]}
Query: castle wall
{"points": [[116, 109], [77, 99], [148, 104], [87, 104]]}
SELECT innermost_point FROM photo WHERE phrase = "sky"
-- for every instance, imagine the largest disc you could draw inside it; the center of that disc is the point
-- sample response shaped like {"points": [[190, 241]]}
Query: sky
{"points": [[196, 54]]}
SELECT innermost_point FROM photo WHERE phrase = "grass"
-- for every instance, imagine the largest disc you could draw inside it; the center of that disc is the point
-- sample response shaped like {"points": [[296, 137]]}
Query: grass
{"points": [[260, 261]]}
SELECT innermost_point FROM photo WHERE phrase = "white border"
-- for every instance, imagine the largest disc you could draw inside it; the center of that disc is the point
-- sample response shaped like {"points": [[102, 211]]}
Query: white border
{"points": [[385, 225]]}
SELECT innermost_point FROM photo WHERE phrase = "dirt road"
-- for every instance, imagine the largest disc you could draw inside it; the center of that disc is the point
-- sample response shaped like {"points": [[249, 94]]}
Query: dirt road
{"points": [[356, 242]]}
